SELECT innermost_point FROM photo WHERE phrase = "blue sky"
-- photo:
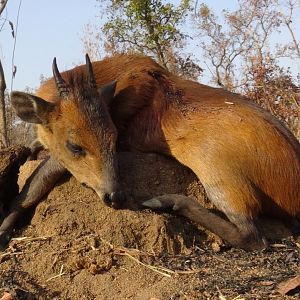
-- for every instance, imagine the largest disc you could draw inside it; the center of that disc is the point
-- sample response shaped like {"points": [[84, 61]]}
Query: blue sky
{"points": [[49, 28], [46, 29]]}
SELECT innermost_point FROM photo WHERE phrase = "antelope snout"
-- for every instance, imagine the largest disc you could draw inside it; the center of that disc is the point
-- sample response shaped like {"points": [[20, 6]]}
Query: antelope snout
{"points": [[114, 199]]}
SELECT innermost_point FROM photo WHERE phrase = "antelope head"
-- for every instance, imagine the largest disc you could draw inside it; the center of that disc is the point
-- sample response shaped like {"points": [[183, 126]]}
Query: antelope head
{"points": [[74, 123]]}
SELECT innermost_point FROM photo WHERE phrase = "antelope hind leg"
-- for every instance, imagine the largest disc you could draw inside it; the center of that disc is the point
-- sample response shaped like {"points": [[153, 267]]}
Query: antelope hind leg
{"points": [[245, 235]]}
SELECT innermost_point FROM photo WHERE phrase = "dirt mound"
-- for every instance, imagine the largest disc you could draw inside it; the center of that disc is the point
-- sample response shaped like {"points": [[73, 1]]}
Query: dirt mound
{"points": [[10, 161], [75, 211], [75, 247]]}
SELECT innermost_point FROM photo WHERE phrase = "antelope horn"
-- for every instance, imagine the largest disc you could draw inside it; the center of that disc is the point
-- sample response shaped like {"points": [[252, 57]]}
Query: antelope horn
{"points": [[61, 85], [90, 73]]}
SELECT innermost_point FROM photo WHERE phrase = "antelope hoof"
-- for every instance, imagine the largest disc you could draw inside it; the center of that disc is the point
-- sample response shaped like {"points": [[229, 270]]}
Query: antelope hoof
{"points": [[5, 237], [162, 203], [153, 203], [253, 243]]}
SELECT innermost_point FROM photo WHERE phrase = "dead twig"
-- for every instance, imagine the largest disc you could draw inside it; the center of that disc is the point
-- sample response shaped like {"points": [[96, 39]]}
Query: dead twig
{"points": [[162, 271], [61, 273], [10, 254], [31, 239]]}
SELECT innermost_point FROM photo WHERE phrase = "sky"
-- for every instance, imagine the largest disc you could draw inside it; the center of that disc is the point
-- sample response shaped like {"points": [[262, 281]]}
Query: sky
{"points": [[46, 29], [53, 28]]}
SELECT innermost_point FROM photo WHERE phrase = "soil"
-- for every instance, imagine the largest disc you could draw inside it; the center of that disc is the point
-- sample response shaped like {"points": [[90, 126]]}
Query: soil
{"points": [[10, 161], [75, 247]]}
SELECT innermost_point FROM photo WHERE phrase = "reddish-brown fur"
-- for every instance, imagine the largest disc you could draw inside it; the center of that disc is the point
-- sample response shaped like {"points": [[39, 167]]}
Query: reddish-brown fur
{"points": [[248, 162]]}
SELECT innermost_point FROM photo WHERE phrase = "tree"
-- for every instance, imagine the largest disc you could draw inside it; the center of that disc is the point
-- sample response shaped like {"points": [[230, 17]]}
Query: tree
{"points": [[287, 19], [151, 27], [7, 115], [3, 127], [239, 41], [274, 88], [243, 59], [2, 6]]}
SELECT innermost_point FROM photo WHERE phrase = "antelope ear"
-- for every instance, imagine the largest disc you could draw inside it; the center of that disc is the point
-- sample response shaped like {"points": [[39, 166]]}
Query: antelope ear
{"points": [[30, 108], [107, 91]]}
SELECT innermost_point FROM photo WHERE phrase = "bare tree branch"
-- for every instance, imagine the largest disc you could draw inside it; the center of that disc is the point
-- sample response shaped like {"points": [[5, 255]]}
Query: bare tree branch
{"points": [[2, 5], [3, 128], [288, 22]]}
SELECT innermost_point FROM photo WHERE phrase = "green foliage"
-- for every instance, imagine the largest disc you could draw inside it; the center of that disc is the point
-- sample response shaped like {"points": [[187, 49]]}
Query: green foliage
{"points": [[151, 27]]}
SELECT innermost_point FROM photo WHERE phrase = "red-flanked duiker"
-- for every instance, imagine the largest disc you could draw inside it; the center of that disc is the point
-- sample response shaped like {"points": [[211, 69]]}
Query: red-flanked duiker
{"points": [[247, 161]]}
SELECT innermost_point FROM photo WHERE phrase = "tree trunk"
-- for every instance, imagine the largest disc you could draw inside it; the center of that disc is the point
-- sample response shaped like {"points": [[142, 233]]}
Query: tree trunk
{"points": [[2, 5], [3, 127]]}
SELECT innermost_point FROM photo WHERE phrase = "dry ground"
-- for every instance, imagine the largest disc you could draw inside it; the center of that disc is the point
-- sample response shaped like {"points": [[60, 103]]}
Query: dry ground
{"points": [[75, 247]]}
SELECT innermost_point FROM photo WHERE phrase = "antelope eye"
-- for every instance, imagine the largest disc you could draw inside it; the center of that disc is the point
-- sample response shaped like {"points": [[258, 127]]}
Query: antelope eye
{"points": [[75, 149]]}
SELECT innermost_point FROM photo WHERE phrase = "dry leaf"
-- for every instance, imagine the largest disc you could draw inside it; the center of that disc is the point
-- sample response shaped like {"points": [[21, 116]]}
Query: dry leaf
{"points": [[266, 283], [288, 285], [6, 296]]}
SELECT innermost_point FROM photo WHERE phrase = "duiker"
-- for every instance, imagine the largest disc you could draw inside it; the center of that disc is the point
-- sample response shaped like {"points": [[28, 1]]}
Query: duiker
{"points": [[247, 161]]}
